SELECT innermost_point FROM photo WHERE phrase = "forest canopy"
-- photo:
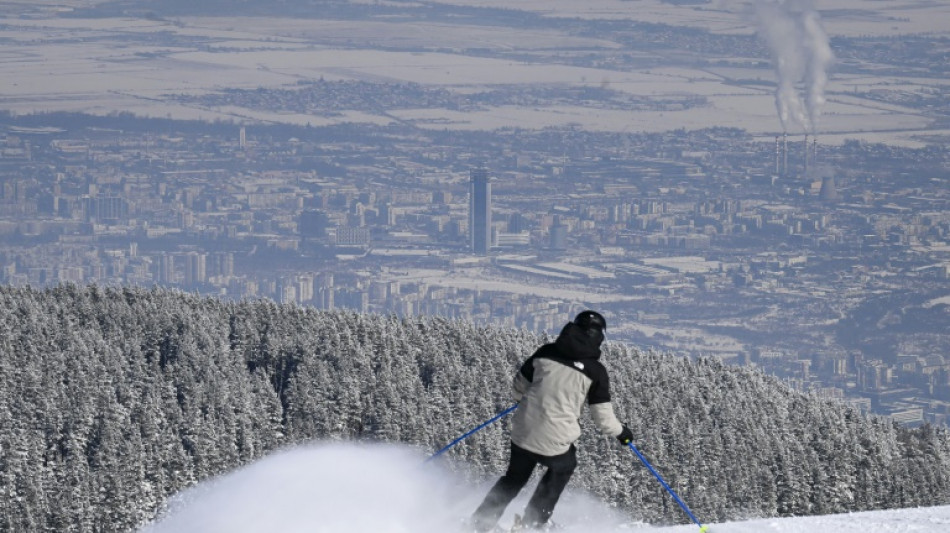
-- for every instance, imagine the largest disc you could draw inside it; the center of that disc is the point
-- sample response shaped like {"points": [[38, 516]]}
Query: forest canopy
{"points": [[113, 399]]}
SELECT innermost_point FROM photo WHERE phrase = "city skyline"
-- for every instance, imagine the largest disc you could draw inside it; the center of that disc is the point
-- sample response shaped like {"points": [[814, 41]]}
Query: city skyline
{"points": [[641, 162]]}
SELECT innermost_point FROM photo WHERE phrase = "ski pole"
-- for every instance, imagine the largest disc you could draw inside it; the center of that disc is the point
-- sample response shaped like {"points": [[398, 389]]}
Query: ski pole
{"points": [[467, 435], [702, 528]]}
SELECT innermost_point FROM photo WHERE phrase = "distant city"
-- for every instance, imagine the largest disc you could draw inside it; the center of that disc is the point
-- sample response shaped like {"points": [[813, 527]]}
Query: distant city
{"points": [[826, 265], [508, 165]]}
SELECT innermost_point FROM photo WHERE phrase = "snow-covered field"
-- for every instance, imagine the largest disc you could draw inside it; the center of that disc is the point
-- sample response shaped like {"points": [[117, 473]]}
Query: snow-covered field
{"points": [[108, 65], [350, 488]]}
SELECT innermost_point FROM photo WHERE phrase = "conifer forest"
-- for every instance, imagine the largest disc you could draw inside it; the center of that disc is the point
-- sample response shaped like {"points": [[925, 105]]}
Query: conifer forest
{"points": [[114, 399]]}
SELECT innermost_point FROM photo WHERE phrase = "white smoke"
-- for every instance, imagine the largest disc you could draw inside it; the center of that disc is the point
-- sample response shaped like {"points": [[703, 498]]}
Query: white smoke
{"points": [[354, 488], [802, 55], [820, 60]]}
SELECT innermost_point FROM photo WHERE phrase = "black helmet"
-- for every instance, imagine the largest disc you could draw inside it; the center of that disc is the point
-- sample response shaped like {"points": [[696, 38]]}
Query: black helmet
{"points": [[591, 320]]}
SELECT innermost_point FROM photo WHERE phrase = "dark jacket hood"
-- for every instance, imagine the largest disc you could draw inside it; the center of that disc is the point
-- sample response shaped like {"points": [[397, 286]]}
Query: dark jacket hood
{"points": [[574, 343]]}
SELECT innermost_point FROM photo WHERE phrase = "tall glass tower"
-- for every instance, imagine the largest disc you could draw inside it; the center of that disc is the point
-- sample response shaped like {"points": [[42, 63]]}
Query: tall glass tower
{"points": [[479, 208]]}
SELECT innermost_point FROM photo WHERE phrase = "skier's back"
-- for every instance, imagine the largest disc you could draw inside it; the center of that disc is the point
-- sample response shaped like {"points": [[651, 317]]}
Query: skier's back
{"points": [[551, 388]]}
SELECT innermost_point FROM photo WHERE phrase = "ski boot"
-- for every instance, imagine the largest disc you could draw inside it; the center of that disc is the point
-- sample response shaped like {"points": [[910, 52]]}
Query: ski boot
{"points": [[524, 526]]}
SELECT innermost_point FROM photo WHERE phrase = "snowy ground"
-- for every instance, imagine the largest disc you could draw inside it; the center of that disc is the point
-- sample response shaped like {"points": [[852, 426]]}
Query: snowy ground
{"points": [[348, 488]]}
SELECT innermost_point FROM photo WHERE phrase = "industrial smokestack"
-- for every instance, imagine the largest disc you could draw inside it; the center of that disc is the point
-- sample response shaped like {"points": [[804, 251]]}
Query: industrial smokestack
{"points": [[805, 155], [778, 157], [785, 154]]}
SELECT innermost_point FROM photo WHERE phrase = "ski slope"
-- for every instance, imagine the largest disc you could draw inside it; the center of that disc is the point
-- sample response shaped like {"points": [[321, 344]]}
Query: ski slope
{"points": [[360, 488]]}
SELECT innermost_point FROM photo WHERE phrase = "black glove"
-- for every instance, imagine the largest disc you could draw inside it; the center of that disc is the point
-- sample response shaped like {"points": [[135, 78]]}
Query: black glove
{"points": [[626, 436]]}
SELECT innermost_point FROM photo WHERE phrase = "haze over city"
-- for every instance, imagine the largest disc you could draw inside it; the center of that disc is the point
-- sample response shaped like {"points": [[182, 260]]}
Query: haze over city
{"points": [[764, 181]]}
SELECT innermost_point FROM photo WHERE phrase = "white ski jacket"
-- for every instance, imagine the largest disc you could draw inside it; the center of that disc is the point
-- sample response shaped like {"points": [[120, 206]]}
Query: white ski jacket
{"points": [[551, 389]]}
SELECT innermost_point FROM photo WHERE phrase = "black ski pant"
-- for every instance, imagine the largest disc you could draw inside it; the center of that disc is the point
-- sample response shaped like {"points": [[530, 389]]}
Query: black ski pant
{"points": [[545, 497]]}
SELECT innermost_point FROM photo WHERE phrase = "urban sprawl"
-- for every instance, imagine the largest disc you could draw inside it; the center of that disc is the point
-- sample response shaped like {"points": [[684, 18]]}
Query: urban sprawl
{"points": [[825, 265]]}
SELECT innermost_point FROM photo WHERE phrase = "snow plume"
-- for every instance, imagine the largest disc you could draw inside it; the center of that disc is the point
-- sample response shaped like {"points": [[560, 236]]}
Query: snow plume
{"points": [[801, 53], [349, 488], [361, 488]]}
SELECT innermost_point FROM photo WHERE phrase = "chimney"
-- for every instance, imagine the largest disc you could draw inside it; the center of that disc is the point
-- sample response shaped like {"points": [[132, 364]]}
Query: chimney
{"points": [[778, 156], [805, 155], [785, 154]]}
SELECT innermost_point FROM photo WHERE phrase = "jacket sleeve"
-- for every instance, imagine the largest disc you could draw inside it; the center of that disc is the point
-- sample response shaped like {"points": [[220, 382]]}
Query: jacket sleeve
{"points": [[601, 410], [604, 418]]}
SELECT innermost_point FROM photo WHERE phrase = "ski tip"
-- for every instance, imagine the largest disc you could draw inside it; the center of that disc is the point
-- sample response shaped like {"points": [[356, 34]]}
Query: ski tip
{"points": [[703, 529]]}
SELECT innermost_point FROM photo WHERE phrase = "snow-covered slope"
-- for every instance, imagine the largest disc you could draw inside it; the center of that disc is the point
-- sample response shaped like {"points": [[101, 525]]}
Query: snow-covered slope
{"points": [[350, 488], [922, 520]]}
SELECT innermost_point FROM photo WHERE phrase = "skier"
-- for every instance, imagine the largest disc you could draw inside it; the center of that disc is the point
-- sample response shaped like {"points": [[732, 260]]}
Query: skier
{"points": [[550, 389]]}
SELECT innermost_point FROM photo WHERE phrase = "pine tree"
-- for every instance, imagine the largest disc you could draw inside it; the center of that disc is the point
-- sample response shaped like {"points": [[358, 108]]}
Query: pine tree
{"points": [[114, 399]]}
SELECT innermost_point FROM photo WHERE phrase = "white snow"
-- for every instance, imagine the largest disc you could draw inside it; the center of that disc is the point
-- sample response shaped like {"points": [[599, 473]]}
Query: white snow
{"points": [[104, 66], [376, 488], [943, 300]]}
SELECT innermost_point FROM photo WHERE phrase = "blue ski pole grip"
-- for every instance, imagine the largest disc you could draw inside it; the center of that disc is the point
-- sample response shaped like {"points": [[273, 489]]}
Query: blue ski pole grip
{"points": [[471, 432], [702, 528]]}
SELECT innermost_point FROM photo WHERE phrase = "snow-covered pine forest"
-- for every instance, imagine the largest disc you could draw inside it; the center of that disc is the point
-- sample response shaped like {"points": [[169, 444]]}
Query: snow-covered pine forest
{"points": [[113, 399]]}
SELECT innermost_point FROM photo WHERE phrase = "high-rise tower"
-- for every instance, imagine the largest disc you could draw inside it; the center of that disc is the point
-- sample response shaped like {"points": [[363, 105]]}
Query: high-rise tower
{"points": [[479, 208]]}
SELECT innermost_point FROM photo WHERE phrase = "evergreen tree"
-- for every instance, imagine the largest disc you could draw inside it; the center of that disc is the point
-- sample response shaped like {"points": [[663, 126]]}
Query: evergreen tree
{"points": [[112, 400]]}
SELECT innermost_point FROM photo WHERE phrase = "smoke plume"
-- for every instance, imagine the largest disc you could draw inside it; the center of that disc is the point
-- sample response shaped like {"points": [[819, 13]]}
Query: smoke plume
{"points": [[801, 54]]}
